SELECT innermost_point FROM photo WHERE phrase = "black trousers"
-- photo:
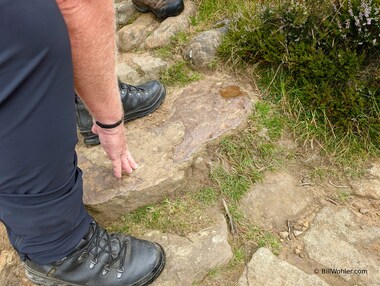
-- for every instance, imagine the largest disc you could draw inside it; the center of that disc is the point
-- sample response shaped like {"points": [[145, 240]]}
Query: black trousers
{"points": [[40, 184]]}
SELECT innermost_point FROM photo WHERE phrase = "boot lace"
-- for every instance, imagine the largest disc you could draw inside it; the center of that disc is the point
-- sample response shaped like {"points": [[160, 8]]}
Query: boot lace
{"points": [[130, 89], [101, 241]]}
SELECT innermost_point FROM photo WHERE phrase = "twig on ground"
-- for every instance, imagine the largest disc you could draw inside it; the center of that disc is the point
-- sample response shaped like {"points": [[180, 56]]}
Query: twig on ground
{"points": [[188, 238], [336, 186], [202, 230], [289, 228], [230, 219], [331, 201], [306, 184]]}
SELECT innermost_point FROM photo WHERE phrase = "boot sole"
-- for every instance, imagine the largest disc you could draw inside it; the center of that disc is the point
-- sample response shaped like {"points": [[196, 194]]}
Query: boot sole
{"points": [[135, 114], [40, 279], [144, 9], [91, 141]]}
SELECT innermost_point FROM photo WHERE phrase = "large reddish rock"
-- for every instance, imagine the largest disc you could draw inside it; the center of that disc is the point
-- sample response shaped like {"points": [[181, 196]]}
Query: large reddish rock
{"points": [[165, 145]]}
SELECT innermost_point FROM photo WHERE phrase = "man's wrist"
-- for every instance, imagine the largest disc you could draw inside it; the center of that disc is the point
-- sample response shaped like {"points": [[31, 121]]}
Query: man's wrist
{"points": [[109, 126], [110, 116]]}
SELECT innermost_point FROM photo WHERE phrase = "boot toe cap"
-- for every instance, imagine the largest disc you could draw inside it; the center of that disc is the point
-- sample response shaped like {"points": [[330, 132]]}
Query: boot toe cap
{"points": [[145, 260]]}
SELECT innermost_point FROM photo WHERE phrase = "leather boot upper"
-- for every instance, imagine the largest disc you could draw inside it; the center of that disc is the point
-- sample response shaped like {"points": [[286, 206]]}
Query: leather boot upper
{"points": [[103, 259]]}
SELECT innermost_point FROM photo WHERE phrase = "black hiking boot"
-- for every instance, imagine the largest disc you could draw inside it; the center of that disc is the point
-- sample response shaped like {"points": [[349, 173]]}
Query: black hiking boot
{"points": [[102, 259], [160, 8], [138, 101]]}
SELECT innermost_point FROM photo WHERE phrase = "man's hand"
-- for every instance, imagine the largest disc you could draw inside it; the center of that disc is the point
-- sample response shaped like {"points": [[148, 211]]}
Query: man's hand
{"points": [[115, 144], [91, 26]]}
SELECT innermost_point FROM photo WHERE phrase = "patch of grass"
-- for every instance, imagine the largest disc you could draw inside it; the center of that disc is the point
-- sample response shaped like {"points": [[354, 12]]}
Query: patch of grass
{"points": [[179, 74], [319, 173], [193, 21], [174, 48], [206, 196], [243, 159], [180, 39], [214, 276], [246, 155], [211, 11], [238, 257], [270, 241], [251, 234], [343, 196], [268, 117], [213, 272], [232, 185], [236, 214], [180, 216], [165, 52], [267, 150]]}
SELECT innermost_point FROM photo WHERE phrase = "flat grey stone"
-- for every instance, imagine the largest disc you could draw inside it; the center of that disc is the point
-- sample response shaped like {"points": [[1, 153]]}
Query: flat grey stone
{"points": [[267, 269], [133, 35], [275, 200], [125, 12], [337, 240], [170, 27], [127, 74], [190, 258], [164, 145], [134, 68], [201, 50], [149, 67], [369, 186]]}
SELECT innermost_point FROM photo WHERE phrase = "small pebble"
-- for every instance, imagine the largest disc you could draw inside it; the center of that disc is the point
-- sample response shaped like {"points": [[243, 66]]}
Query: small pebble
{"points": [[297, 251], [363, 211], [302, 255], [297, 233], [284, 234]]}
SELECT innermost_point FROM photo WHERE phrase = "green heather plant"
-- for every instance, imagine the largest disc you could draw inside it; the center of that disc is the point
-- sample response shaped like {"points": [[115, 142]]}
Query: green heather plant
{"points": [[327, 52]]}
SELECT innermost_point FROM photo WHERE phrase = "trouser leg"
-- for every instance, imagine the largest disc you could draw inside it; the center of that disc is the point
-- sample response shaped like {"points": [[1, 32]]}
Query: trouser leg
{"points": [[40, 184]]}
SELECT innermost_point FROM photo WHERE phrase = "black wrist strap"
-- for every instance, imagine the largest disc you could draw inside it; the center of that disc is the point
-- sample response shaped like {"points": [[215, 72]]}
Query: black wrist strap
{"points": [[109, 126]]}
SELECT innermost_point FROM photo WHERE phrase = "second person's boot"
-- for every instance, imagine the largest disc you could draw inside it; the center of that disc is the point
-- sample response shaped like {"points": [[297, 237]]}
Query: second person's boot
{"points": [[138, 101], [161, 8]]}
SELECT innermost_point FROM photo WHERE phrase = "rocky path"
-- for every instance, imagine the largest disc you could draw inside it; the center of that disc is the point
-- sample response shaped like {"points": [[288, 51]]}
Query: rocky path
{"points": [[324, 241]]}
